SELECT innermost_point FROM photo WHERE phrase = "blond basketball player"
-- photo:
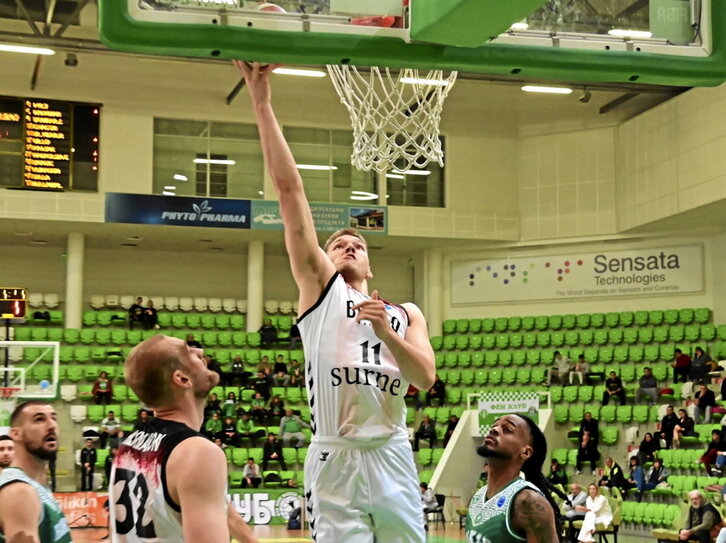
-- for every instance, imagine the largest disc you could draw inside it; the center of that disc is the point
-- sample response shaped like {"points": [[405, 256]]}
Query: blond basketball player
{"points": [[168, 481], [361, 353]]}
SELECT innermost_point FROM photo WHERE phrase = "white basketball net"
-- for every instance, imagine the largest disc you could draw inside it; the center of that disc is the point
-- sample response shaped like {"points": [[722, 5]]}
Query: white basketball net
{"points": [[395, 117]]}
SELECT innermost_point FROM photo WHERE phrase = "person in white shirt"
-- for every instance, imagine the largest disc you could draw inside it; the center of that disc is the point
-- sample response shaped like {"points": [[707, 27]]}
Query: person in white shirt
{"points": [[111, 428], [576, 497], [251, 473], [428, 501], [597, 511], [561, 368]]}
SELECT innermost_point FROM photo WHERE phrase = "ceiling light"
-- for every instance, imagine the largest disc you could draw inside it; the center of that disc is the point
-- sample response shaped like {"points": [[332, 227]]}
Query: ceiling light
{"points": [[362, 195], [547, 90], [205, 241], [519, 26], [318, 167], [412, 172], [134, 238], [180, 177], [624, 33], [9, 48], [394, 176], [170, 187], [261, 193], [420, 81], [296, 71], [128, 245], [168, 193], [24, 234], [214, 161], [38, 242]]}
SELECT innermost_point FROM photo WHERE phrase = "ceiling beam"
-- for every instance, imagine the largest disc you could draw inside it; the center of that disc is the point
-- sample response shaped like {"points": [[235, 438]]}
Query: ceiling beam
{"points": [[28, 17], [72, 17]]}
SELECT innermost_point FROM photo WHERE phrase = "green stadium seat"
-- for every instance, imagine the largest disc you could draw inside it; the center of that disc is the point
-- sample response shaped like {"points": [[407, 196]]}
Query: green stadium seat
{"points": [[134, 337], [519, 358], [640, 318], [89, 318], [468, 377], [118, 336], [576, 413], [509, 376], [555, 322], [612, 319], [207, 322], [39, 334], [462, 342], [528, 323], [600, 337], [533, 357], [425, 476], [515, 341], [502, 341], [608, 413], [609, 435], [624, 413], [487, 325], [569, 321], [708, 332], [657, 317], [475, 342], [523, 376], [163, 319], [560, 455], [627, 373], [194, 321], [495, 377], [572, 457], [572, 338], [686, 315], [501, 324], [597, 320], [514, 324], [224, 339], [101, 455], [676, 333], [660, 334], [557, 339], [55, 334], [543, 339], [541, 322], [652, 353], [450, 360], [451, 377], [636, 353], [570, 394], [560, 413], [529, 339], [477, 359], [453, 396], [437, 342], [556, 394], [702, 315], [620, 353], [626, 318], [179, 320], [236, 322], [449, 326], [645, 335], [591, 355], [586, 337], [423, 457], [605, 355], [548, 357], [630, 335], [640, 414], [82, 354], [505, 358], [585, 393], [583, 321], [692, 332], [474, 326], [538, 375], [95, 413], [66, 354], [103, 318], [103, 336], [449, 343]]}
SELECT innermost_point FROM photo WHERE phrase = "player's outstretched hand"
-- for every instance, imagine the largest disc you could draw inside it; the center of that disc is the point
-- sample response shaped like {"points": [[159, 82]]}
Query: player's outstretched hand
{"points": [[374, 310], [257, 79]]}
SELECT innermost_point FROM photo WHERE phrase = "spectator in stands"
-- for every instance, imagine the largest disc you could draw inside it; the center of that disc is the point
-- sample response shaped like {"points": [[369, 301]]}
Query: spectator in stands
{"points": [[193, 342], [212, 405], [7, 451], [219, 443], [715, 452], [647, 448], [277, 408], [437, 390], [587, 452], [613, 387], [144, 415], [557, 475], [264, 364], [150, 317], [102, 389], [237, 371], [268, 334], [297, 379], [229, 432], [705, 401], [88, 462], [291, 426], [111, 428], [136, 313], [229, 407], [428, 501], [426, 430], [258, 409], [667, 425], [282, 379], [582, 372], [295, 336], [576, 497], [262, 385], [213, 427], [246, 429], [272, 450], [648, 387], [613, 476], [589, 425], [597, 511], [561, 368], [251, 477], [636, 479], [451, 426], [214, 366], [701, 520], [412, 393], [684, 427], [681, 366], [701, 365], [656, 475]]}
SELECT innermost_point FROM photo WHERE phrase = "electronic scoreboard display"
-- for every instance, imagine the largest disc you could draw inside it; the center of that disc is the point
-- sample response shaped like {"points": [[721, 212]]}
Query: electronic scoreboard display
{"points": [[13, 302], [48, 144]]}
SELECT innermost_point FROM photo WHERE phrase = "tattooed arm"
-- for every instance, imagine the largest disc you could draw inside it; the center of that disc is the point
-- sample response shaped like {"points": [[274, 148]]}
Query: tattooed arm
{"points": [[533, 517]]}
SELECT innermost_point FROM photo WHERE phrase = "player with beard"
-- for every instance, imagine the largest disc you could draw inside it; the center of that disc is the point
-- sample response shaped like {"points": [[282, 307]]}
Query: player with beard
{"points": [[511, 509], [168, 482], [28, 511], [7, 451]]}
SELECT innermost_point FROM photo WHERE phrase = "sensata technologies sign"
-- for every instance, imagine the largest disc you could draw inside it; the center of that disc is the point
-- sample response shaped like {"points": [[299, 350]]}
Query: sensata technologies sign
{"points": [[177, 211], [652, 271]]}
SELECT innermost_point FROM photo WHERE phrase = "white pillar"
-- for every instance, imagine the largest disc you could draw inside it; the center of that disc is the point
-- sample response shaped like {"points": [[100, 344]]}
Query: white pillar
{"points": [[74, 280], [434, 291], [255, 285]]}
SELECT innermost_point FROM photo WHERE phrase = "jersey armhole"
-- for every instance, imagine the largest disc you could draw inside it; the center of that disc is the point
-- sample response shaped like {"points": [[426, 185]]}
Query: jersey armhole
{"points": [[320, 299], [164, 459], [41, 518]]}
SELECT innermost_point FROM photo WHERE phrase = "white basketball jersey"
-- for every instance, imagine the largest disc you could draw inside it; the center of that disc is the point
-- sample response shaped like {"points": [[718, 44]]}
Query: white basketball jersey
{"points": [[355, 388]]}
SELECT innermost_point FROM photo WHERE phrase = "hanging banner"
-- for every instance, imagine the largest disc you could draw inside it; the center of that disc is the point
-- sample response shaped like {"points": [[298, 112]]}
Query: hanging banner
{"points": [[327, 217], [83, 509], [493, 405], [639, 272], [268, 506]]}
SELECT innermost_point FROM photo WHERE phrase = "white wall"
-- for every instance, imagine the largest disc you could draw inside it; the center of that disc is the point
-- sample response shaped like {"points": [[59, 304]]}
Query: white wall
{"points": [[39, 269]]}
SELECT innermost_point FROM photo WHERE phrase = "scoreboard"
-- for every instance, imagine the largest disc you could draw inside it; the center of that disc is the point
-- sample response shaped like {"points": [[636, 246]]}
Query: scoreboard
{"points": [[13, 302], [48, 144]]}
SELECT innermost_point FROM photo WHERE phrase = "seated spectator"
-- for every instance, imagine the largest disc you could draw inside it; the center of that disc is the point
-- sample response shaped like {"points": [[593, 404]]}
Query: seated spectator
{"points": [[681, 366], [597, 511], [636, 480], [272, 450], [262, 385], [646, 451], [412, 393], [247, 429], [230, 437], [213, 427], [715, 452], [219, 443], [426, 430], [587, 452], [251, 476], [229, 407], [589, 425], [700, 366], [268, 334], [648, 387], [258, 409], [277, 408], [702, 521], [451, 426], [613, 387], [136, 313], [613, 476], [236, 372], [656, 475], [111, 428], [575, 498], [437, 390], [150, 316], [264, 364], [295, 336], [428, 501], [144, 416], [684, 427], [705, 401], [582, 372], [193, 342], [212, 405], [297, 379], [213, 365], [667, 425], [291, 427], [102, 389], [557, 475], [560, 370], [282, 379]]}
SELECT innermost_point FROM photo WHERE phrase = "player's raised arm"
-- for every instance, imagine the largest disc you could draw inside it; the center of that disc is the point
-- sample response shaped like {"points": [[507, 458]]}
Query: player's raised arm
{"points": [[310, 267]]}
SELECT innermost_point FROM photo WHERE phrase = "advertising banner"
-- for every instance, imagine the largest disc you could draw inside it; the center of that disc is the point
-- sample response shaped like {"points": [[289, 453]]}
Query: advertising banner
{"points": [[493, 405], [638, 272], [268, 506], [327, 217], [83, 509]]}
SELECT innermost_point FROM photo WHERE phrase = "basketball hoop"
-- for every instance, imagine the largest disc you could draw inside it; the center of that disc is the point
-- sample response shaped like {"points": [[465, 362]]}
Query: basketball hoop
{"points": [[395, 117], [6, 393]]}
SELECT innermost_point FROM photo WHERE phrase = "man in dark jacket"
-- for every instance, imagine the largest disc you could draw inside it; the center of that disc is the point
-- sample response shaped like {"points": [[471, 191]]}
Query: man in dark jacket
{"points": [[702, 517], [667, 424], [614, 476], [426, 430], [88, 462], [589, 425], [705, 401], [613, 387]]}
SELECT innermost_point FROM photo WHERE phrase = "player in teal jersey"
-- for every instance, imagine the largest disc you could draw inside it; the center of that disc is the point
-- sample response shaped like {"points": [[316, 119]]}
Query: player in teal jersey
{"points": [[28, 510], [511, 509]]}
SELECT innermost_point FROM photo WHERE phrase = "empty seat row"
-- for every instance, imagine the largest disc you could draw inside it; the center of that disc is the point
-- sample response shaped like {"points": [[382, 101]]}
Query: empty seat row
{"points": [[38, 300], [171, 303]]}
